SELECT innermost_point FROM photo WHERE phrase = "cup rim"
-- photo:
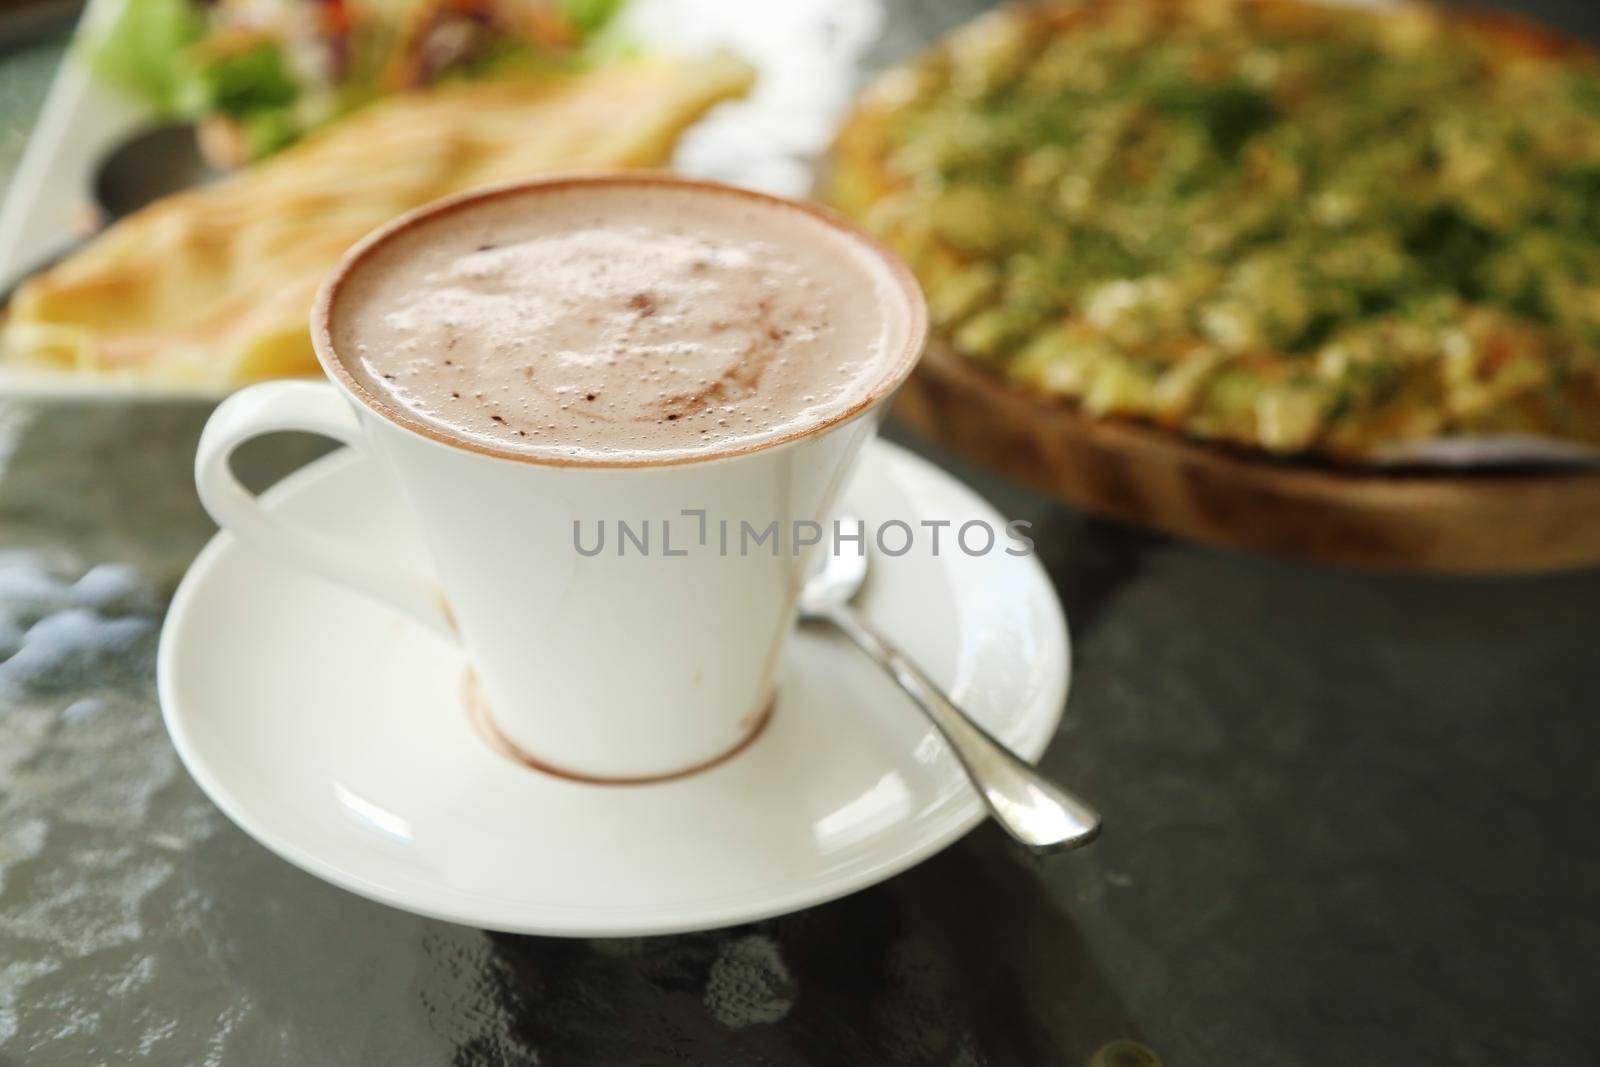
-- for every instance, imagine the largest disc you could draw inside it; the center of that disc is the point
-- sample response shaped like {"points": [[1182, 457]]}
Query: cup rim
{"points": [[894, 268]]}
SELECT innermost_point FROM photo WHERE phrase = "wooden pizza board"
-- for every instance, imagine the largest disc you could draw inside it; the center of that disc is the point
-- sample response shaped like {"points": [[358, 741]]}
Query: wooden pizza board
{"points": [[1449, 522]]}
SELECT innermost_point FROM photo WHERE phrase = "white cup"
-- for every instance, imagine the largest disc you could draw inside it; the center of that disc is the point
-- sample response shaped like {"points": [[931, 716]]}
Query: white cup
{"points": [[619, 665]]}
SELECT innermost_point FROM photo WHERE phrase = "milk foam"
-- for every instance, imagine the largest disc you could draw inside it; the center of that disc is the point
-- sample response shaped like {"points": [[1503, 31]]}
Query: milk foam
{"points": [[622, 322]]}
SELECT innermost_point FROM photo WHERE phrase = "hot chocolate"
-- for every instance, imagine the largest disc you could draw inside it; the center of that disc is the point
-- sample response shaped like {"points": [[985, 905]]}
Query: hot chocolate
{"points": [[624, 322]]}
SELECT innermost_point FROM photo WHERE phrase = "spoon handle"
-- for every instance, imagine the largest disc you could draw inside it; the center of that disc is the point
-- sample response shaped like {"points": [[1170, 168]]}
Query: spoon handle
{"points": [[1033, 809]]}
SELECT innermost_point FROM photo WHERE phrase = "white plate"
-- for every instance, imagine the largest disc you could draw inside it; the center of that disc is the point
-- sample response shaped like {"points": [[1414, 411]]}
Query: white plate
{"points": [[332, 731]]}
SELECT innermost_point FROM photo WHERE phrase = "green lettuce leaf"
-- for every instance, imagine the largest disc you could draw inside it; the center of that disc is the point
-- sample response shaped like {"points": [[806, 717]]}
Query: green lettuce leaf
{"points": [[586, 16], [143, 50]]}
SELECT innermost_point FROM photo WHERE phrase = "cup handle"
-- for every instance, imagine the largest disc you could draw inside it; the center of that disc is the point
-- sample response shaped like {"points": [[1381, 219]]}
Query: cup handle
{"points": [[314, 407]]}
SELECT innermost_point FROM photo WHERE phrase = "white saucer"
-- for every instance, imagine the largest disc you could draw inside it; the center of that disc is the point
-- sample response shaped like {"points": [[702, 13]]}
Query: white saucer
{"points": [[333, 732]]}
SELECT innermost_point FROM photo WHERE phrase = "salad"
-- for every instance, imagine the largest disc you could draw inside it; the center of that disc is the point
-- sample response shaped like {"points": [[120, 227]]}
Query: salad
{"points": [[256, 75]]}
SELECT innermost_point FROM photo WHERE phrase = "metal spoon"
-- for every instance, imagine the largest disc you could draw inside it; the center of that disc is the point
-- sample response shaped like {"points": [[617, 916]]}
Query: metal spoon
{"points": [[1033, 809]]}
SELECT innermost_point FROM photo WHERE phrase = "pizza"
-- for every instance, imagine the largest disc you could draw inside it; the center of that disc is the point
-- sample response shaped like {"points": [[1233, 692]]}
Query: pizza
{"points": [[1294, 228]]}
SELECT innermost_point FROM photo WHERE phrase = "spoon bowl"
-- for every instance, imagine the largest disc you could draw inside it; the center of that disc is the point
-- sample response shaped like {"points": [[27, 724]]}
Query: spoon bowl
{"points": [[148, 166]]}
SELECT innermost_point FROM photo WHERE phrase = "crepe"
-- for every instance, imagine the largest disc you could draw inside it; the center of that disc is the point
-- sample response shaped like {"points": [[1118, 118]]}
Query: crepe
{"points": [[212, 287]]}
